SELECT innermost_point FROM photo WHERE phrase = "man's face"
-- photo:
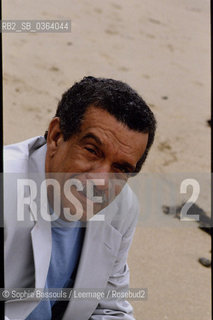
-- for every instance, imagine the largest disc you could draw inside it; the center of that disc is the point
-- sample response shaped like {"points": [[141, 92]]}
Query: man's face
{"points": [[104, 149]]}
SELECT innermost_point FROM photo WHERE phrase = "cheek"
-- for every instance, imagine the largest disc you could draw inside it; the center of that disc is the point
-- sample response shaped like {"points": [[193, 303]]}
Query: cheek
{"points": [[77, 163]]}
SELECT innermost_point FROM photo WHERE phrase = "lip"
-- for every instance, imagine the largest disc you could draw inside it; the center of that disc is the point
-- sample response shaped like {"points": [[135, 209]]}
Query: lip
{"points": [[83, 192], [83, 196]]}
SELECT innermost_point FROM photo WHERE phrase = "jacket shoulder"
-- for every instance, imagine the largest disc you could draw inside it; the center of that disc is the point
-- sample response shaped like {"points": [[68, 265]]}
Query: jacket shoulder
{"points": [[17, 155]]}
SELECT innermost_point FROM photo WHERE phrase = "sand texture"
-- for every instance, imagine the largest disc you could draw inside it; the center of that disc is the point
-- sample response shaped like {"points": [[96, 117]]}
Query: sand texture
{"points": [[162, 49]]}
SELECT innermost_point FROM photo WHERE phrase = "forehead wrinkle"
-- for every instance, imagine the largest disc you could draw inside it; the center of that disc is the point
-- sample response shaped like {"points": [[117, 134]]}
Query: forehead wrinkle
{"points": [[109, 121], [107, 134], [91, 135]]}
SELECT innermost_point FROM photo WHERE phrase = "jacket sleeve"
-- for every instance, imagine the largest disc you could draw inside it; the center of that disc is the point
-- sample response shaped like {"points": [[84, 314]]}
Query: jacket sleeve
{"points": [[111, 309]]}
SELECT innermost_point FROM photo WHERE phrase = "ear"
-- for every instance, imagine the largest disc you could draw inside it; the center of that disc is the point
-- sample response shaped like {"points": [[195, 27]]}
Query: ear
{"points": [[55, 136]]}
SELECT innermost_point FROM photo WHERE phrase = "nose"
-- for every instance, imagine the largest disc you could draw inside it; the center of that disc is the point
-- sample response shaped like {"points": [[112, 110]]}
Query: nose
{"points": [[100, 177], [105, 183]]}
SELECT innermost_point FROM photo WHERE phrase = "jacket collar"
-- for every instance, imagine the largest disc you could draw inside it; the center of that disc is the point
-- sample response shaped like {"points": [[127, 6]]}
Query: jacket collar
{"points": [[41, 233]]}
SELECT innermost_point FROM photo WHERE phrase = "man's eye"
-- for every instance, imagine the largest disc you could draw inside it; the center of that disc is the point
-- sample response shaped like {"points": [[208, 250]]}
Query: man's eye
{"points": [[122, 169], [91, 151]]}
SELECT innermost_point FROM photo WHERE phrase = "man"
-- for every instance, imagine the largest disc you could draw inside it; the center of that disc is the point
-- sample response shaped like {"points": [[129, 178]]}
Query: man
{"points": [[101, 134]]}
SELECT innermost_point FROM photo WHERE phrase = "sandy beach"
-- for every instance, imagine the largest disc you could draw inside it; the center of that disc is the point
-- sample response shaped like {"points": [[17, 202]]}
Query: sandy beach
{"points": [[161, 49]]}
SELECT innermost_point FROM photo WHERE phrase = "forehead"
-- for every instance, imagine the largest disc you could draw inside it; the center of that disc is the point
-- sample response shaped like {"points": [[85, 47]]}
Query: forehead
{"points": [[112, 132]]}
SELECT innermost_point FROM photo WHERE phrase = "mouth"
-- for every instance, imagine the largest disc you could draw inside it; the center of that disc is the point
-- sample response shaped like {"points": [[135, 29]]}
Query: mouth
{"points": [[90, 196], [85, 195]]}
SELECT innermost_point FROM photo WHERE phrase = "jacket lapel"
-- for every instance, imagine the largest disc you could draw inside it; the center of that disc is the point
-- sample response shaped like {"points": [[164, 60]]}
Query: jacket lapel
{"points": [[41, 233], [41, 243], [101, 245]]}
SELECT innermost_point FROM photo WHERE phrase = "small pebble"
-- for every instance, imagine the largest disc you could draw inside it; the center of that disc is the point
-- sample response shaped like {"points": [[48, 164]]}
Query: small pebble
{"points": [[53, 68], [205, 262], [209, 122]]}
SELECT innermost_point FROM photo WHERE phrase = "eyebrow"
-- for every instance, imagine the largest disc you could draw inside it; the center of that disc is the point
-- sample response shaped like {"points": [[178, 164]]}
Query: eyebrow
{"points": [[92, 136], [127, 165]]}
